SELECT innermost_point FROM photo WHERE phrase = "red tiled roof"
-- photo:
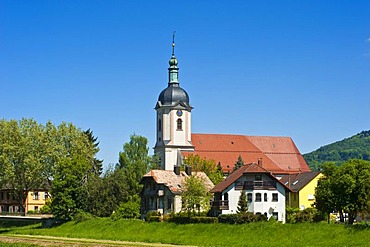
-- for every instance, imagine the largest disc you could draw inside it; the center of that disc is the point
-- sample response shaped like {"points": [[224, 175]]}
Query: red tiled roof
{"points": [[279, 154]]}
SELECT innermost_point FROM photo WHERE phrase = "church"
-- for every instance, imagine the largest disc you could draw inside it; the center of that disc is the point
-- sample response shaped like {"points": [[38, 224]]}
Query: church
{"points": [[267, 160], [175, 139]]}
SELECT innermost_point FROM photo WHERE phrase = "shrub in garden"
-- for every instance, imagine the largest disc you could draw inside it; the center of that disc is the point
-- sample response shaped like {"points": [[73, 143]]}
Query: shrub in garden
{"points": [[241, 218], [127, 210]]}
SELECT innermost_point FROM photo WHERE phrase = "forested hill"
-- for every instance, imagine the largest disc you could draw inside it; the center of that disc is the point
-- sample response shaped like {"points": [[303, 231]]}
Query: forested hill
{"points": [[355, 147]]}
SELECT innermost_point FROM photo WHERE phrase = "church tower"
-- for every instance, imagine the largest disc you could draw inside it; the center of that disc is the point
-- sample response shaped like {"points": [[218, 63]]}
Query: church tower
{"points": [[173, 120]]}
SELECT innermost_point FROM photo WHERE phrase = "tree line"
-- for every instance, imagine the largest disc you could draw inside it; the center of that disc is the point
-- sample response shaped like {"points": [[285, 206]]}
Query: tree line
{"points": [[354, 147], [62, 159]]}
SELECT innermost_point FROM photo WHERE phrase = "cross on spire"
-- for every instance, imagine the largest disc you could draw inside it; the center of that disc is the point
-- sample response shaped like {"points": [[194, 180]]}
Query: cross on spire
{"points": [[173, 43]]}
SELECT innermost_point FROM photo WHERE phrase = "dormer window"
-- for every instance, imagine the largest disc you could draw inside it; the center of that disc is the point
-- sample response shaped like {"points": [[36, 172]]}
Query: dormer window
{"points": [[179, 124]]}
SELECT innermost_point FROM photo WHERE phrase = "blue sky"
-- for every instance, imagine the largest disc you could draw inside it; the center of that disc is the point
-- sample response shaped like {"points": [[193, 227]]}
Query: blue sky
{"points": [[280, 68]]}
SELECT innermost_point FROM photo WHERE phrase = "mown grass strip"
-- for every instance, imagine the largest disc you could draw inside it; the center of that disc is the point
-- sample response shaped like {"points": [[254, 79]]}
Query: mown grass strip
{"points": [[253, 234]]}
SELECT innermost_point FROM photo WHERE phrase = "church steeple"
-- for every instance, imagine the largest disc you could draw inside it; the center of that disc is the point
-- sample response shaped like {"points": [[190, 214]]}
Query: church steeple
{"points": [[173, 70], [173, 119]]}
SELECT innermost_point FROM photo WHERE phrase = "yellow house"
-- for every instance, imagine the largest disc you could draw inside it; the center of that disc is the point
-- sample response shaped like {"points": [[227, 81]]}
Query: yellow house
{"points": [[303, 189], [34, 202]]}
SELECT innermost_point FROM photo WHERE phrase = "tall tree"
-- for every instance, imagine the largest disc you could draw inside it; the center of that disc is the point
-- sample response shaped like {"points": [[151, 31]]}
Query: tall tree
{"points": [[242, 203], [97, 164], [134, 161], [67, 190], [30, 153], [195, 195]]}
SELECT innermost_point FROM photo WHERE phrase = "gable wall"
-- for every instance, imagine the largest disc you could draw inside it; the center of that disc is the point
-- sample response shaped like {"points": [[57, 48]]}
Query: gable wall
{"points": [[268, 207], [307, 192]]}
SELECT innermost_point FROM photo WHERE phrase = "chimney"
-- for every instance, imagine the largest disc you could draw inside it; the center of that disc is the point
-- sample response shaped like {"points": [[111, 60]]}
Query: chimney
{"points": [[176, 169], [259, 162], [188, 170]]}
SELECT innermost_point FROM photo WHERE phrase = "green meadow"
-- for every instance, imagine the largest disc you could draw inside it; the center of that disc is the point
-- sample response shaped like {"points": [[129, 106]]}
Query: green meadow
{"points": [[253, 234]]}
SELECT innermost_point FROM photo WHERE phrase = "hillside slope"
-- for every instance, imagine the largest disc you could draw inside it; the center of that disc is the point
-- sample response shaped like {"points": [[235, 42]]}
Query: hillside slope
{"points": [[355, 147]]}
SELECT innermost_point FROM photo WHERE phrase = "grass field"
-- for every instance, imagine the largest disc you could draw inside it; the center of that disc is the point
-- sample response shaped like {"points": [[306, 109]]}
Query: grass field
{"points": [[253, 234]]}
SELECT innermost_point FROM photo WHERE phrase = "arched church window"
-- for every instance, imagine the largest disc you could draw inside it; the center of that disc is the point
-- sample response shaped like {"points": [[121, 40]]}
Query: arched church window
{"points": [[179, 124], [159, 125]]}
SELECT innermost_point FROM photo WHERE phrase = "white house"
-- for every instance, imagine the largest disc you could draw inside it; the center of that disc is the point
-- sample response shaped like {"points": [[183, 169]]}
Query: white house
{"points": [[265, 193]]}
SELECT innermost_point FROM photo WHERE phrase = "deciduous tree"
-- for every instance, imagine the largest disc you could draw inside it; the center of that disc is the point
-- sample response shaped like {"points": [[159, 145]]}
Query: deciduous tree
{"points": [[195, 195], [134, 161], [30, 153]]}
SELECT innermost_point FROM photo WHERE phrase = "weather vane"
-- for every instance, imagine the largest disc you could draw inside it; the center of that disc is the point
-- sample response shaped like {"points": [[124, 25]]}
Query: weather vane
{"points": [[173, 43]]}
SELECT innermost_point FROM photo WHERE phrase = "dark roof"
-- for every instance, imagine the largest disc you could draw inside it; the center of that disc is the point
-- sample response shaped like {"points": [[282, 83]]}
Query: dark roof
{"points": [[297, 181], [250, 168], [173, 95]]}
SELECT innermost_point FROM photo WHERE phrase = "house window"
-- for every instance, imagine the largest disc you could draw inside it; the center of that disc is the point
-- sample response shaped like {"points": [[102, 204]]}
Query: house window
{"points": [[179, 124], [169, 203], [36, 208], [274, 197], [258, 197], [35, 195], [226, 196], [249, 197], [265, 197], [258, 178], [46, 196], [311, 197]]}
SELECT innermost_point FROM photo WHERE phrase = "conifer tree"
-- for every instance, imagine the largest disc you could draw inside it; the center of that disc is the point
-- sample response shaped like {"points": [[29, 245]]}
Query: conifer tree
{"points": [[242, 203], [239, 163]]}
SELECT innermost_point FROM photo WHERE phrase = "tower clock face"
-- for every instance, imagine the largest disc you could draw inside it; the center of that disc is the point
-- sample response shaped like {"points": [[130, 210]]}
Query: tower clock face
{"points": [[179, 113]]}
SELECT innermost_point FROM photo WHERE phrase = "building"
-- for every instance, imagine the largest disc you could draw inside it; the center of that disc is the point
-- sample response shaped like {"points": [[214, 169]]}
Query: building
{"points": [[162, 190], [302, 185], [34, 202], [265, 193], [174, 138], [269, 158]]}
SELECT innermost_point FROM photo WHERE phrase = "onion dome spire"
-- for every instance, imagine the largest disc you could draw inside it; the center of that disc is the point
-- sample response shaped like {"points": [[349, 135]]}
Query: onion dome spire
{"points": [[173, 70]]}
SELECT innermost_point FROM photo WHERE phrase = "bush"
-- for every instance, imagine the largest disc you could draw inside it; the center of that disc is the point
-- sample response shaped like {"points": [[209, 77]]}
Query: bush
{"points": [[127, 210], [202, 219], [228, 218], [307, 215], [152, 216], [241, 218], [81, 216], [182, 219], [46, 209]]}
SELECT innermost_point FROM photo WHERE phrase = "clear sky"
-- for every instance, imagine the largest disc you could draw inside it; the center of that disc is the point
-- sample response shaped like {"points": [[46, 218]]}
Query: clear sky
{"points": [[279, 68]]}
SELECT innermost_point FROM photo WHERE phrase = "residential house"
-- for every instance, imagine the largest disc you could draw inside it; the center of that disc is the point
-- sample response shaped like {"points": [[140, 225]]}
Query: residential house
{"points": [[265, 193], [162, 189], [34, 202], [302, 185]]}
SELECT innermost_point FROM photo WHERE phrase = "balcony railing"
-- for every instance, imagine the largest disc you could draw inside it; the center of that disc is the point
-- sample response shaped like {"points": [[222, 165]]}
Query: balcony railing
{"points": [[153, 192], [255, 185], [220, 205]]}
